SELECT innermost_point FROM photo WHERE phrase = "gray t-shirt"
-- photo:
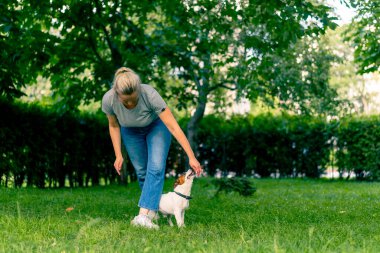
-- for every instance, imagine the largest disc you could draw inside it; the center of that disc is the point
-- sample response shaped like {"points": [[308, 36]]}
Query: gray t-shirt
{"points": [[149, 106]]}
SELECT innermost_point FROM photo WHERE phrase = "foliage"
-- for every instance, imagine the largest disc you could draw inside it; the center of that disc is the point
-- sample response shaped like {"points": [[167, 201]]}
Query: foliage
{"points": [[201, 47], [265, 145], [364, 35], [76, 44], [358, 143], [25, 44], [43, 148], [66, 147], [227, 45], [344, 78], [298, 79], [241, 185]]}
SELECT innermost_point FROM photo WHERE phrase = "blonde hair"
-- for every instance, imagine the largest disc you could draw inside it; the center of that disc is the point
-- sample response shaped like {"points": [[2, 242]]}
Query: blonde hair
{"points": [[126, 81]]}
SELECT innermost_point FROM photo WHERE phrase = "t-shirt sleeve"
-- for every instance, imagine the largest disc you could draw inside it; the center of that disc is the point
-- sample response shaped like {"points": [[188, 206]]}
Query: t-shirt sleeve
{"points": [[158, 105], [106, 104]]}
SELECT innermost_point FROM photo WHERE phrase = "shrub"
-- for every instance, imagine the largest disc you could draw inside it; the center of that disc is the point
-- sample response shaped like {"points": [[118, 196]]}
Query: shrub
{"points": [[358, 147], [43, 148], [241, 185]]}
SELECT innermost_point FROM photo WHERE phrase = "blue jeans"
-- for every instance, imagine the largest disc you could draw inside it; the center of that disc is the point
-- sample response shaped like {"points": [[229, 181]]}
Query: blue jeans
{"points": [[148, 149]]}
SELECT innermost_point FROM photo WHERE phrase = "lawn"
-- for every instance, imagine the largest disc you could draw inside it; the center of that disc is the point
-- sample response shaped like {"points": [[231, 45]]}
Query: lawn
{"points": [[282, 216]]}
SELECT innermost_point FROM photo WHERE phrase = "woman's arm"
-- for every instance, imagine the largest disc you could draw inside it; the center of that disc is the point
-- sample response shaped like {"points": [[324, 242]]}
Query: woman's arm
{"points": [[171, 123], [114, 129]]}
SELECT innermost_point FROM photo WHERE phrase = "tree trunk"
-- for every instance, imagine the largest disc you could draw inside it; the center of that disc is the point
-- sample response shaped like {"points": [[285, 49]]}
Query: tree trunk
{"points": [[192, 126], [202, 83]]}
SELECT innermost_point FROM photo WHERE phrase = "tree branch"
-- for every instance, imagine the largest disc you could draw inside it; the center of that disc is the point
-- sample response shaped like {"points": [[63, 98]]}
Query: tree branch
{"points": [[92, 44], [90, 38], [116, 55], [194, 75], [221, 85]]}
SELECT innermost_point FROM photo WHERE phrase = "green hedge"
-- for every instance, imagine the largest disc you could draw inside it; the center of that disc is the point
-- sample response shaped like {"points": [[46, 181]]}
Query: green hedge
{"points": [[358, 147], [265, 145], [42, 148], [291, 146]]}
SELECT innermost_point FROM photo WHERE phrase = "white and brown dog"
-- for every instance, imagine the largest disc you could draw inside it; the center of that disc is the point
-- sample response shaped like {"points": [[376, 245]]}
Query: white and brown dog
{"points": [[176, 202]]}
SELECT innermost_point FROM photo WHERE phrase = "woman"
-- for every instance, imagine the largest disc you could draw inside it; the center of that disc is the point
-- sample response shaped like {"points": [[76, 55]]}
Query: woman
{"points": [[139, 117]]}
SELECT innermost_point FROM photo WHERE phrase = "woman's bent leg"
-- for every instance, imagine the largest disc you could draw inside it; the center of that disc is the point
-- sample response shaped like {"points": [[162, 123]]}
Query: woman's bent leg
{"points": [[135, 144]]}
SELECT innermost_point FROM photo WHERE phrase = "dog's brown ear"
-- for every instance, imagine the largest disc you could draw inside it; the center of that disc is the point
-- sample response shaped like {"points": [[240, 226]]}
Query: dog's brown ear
{"points": [[179, 181]]}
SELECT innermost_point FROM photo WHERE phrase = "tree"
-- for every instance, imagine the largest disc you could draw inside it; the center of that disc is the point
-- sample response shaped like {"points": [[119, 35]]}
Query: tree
{"points": [[25, 46], [212, 45], [298, 80], [203, 46], [77, 45], [364, 33], [344, 76]]}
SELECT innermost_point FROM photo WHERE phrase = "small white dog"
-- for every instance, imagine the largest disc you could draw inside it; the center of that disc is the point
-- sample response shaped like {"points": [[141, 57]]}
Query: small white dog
{"points": [[175, 203]]}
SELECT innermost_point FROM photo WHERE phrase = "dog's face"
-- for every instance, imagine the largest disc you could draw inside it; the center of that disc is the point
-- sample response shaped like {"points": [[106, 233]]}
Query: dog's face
{"points": [[186, 177]]}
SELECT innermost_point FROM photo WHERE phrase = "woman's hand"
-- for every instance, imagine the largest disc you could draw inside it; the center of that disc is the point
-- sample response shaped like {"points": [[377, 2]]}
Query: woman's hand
{"points": [[195, 165], [118, 163]]}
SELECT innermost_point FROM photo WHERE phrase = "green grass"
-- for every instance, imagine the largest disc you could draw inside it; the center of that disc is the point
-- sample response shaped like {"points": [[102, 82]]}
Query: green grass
{"points": [[282, 216]]}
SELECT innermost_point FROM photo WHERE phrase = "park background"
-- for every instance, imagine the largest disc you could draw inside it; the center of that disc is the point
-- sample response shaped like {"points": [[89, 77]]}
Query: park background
{"points": [[282, 93]]}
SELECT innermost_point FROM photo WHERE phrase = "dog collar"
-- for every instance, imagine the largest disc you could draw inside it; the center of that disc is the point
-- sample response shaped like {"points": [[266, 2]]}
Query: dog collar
{"points": [[183, 196]]}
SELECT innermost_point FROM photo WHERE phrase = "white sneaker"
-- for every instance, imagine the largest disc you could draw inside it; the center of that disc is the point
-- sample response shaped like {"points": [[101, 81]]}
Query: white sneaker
{"points": [[143, 220]]}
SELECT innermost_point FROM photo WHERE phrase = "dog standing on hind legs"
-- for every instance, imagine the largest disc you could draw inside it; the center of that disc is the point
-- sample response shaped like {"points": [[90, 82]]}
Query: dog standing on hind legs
{"points": [[176, 202]]}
